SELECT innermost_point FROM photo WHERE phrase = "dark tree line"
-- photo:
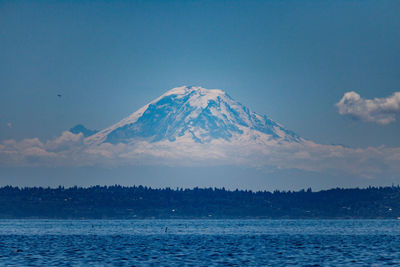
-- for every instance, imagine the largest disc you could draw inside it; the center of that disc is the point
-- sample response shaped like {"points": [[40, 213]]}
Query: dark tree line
{"points": [[144, 202]]}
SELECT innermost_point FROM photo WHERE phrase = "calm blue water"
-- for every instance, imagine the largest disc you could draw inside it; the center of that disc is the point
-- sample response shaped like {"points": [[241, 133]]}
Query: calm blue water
{"points": [[200, 242]]}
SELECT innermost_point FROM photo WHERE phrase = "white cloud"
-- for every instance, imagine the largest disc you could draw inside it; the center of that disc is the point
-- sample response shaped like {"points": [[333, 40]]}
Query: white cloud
{"points": [[378, 110], [71, 150]]}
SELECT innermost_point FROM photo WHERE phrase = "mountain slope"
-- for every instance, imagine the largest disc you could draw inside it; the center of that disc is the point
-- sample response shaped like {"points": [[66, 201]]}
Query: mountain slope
{"points": [[196, 114]]}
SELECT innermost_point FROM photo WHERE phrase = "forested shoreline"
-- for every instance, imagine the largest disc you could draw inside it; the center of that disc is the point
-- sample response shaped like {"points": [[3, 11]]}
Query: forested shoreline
{"points": [[140, 202]]}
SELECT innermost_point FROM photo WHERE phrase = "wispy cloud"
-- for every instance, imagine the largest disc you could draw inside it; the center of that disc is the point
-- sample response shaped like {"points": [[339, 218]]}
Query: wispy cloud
{"points": [[71, 150], [377, 110]]}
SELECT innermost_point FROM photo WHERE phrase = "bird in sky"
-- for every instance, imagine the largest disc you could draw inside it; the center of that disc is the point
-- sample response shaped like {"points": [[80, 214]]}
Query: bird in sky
{"points": [[59, 95]]}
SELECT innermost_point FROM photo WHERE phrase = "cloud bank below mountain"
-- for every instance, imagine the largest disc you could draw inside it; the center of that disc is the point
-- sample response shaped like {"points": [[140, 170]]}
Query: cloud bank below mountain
{"points": [[71, 150]]}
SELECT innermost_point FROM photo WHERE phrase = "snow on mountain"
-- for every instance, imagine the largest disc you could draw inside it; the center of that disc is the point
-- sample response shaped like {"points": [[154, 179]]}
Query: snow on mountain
{"points": [[194, 113]]}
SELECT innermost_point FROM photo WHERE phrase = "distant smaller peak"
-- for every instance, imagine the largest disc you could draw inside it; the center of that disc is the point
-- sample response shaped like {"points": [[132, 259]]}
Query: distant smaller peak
{"points": [[77, 129]]}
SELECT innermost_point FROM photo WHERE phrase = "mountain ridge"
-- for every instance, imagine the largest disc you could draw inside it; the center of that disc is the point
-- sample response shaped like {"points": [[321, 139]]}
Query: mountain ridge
{"points": [[193, 113]]}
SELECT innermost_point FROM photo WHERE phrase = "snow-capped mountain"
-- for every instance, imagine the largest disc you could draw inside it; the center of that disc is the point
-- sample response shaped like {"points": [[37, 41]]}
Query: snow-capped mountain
{"points": [[197, 114]]}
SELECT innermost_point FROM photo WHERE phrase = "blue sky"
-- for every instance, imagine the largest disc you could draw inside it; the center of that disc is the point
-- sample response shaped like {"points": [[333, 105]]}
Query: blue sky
{"points": [[291, 60]]}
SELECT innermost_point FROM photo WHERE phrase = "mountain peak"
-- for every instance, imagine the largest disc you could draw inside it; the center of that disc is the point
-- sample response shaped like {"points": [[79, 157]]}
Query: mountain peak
{"points": [[198, 94], [197, 114], [183, 90]]}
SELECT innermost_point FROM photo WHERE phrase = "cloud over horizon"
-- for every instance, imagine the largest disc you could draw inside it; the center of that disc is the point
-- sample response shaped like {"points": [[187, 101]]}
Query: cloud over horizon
{"points": [[378, 110], [71, 150]]}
